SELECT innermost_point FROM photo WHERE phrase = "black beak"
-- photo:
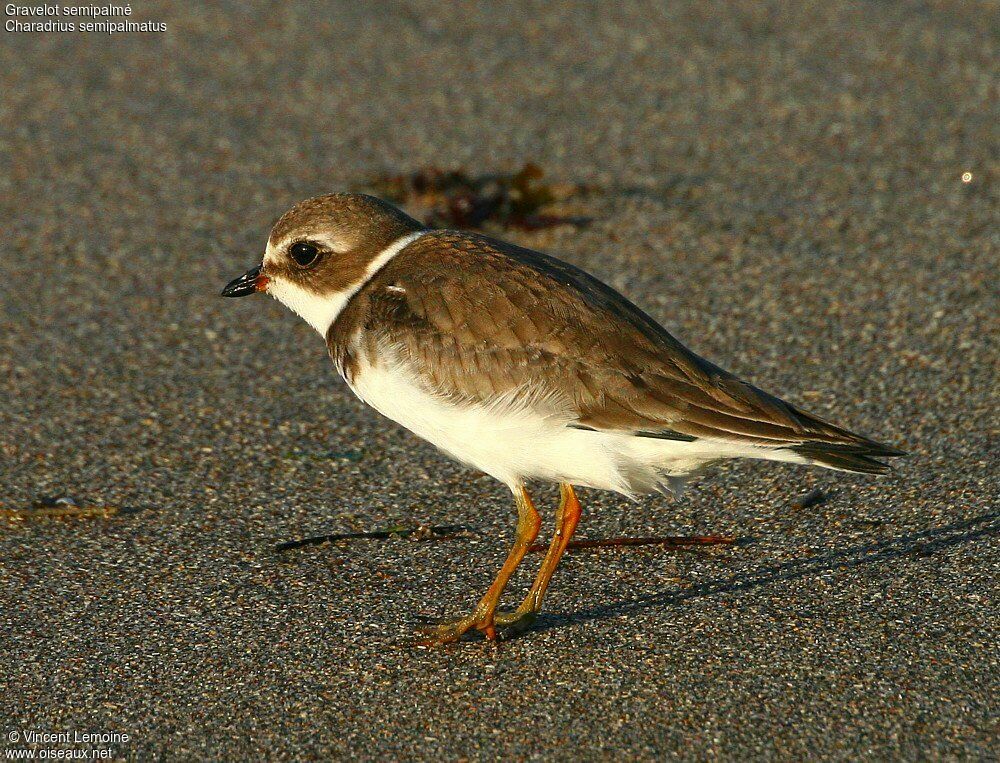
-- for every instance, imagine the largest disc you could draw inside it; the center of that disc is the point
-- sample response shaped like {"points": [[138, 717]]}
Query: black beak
{"points": [[249, 283]]}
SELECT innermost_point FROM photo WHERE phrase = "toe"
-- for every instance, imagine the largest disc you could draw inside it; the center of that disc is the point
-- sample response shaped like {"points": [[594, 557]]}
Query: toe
{"points": [[516, 626], [445, 632], [507, 617]]}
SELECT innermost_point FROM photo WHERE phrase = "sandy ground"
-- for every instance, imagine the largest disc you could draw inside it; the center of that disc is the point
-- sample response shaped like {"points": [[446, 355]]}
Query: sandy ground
{"points": [[781, 187]]}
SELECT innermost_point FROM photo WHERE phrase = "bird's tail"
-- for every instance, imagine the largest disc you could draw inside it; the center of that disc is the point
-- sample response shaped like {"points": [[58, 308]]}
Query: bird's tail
{"points": [[848, 457], [837, 448]]}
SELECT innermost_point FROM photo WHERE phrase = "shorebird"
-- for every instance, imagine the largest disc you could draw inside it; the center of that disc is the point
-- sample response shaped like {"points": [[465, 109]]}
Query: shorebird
{"points": [[524, 367]]}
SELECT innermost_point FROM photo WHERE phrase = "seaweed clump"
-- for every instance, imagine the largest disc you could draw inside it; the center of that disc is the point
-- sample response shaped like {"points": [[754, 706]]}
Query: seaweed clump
{"points": [[456, 199]]}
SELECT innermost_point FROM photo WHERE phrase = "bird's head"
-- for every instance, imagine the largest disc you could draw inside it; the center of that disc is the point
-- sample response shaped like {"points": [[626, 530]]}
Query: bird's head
{"points": [[322, 251]]}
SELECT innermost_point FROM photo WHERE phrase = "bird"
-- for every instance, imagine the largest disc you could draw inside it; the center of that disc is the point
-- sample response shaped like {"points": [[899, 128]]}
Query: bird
{"points": [[524, 367]]}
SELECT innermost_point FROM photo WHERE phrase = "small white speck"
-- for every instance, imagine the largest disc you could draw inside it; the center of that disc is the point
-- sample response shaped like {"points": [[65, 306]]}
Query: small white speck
{"points": [[966, 177], [396, 289]]}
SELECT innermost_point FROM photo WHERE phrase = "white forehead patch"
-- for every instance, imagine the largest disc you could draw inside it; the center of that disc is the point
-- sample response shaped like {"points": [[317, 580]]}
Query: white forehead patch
{"points": [[321, 311]]}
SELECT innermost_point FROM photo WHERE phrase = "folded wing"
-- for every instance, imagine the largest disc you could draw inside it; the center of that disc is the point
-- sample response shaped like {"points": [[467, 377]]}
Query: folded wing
{"points": [[486, 319]]}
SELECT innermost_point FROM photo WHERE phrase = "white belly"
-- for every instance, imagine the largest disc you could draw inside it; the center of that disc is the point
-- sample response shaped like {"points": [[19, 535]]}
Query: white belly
{"points": [[520, 438]]}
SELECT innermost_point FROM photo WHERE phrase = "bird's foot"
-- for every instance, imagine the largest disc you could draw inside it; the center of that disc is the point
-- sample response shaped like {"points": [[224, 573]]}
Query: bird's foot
{"points": [[515, 623], [448, 631]]}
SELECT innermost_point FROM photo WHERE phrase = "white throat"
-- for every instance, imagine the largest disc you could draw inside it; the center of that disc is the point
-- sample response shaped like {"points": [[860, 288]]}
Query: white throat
{"points": [[321, 311]]}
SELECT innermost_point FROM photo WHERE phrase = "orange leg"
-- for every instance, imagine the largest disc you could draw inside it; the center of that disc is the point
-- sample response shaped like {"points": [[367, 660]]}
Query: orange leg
{"points": [[567, 518], [482, 617]]}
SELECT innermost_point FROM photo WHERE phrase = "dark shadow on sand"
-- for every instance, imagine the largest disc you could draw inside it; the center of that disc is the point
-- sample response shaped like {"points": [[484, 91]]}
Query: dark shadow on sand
{"points": [[922, 543]]}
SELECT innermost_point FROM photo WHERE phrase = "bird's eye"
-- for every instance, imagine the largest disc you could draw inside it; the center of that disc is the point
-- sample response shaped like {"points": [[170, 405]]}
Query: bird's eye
{"points": [[304, 254]]}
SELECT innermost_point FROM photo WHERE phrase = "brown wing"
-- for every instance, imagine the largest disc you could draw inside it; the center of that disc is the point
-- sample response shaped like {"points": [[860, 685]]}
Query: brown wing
{"points": [[479, 318]]}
